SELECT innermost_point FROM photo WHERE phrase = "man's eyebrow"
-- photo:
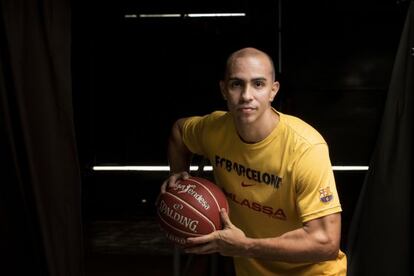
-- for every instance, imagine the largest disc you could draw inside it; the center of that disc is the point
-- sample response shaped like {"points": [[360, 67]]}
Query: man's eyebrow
{"points": [[254, 79], [259, 79], [234, 78]]}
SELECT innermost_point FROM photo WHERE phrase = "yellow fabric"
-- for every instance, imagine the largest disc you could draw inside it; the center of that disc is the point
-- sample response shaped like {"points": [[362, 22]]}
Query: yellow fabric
{"points": [[272, 186]]}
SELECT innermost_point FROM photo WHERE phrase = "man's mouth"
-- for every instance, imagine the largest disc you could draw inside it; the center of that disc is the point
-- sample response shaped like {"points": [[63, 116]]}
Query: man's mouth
{"points": [[246, 109]]}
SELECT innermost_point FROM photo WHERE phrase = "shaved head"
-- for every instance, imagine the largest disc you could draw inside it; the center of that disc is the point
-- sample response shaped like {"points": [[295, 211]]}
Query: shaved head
{"points": [[248, 52]]}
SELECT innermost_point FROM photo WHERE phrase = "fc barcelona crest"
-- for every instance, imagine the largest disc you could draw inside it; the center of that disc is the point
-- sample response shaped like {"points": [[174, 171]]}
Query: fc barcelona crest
{"points": [[325, 194]]}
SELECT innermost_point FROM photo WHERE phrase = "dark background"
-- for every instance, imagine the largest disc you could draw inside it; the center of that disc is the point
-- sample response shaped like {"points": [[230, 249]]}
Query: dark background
{"points": [[133, 77]]}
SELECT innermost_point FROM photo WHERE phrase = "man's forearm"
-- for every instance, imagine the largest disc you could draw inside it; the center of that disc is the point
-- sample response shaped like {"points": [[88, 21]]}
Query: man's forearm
{"points": [[294, 246], [315, 242]]}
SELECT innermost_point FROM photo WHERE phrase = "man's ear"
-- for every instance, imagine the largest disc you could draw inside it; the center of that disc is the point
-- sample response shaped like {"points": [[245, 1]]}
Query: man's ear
{"points": [[275, 89], [223, 89]]}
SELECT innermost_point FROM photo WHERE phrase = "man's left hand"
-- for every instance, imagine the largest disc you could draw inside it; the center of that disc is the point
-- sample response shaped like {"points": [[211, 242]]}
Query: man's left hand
{"points": [[230, 241]]}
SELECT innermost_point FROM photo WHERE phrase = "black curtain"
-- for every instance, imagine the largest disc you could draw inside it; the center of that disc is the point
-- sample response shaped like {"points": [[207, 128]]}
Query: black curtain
{"points": [[380, 240], [40, 211]]}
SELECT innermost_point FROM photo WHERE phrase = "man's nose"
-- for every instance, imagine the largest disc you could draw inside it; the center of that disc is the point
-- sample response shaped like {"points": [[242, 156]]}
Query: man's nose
{"points": [[247, 93]]}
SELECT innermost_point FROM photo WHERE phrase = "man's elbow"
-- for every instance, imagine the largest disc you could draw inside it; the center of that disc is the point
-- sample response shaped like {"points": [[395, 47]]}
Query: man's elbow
{"points": [[330, 250], [176, 131]]}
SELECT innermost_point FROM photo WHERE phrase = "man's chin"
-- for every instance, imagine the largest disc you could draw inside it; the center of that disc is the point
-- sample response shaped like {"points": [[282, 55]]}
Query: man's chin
{"points": [[246, 120]]}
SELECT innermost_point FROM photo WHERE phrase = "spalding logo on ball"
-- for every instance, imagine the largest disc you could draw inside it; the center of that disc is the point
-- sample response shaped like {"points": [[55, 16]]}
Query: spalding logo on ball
{"points": [[191, 209]]}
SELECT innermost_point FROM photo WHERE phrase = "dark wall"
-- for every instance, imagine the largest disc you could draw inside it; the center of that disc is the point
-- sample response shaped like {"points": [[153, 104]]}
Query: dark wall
{"points": [[133, 77], [338, 57], [145, 73]]}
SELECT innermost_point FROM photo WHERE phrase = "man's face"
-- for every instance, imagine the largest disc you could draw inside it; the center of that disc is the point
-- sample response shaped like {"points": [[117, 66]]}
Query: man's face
{"points": [[249, 88]]}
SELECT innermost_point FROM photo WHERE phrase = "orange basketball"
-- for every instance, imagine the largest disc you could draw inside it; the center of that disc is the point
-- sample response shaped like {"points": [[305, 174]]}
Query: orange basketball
{"points": [[191, 209]]}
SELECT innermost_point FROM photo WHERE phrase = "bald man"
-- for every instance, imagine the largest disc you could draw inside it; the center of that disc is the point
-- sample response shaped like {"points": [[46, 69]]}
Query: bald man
{"points": [[275, 171]]}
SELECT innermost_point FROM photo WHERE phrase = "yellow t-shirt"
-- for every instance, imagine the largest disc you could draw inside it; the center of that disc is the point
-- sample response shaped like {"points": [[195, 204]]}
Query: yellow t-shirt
{"points": [[272, 186]]}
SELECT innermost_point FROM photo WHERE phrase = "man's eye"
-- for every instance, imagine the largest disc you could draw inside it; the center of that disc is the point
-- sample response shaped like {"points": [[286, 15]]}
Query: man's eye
{"points": [[259, 84], [236, 84]]}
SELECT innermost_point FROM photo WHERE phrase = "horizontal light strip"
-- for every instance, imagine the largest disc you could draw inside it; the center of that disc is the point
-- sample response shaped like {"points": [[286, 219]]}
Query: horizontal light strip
{"points": [[350, 168], [195, 168], [137, 168], [130, 16], [215, 14], [160, 15], [175, 15]]}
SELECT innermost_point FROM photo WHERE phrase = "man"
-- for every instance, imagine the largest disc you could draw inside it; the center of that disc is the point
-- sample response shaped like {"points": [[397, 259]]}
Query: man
{"points": [[275, 170]]}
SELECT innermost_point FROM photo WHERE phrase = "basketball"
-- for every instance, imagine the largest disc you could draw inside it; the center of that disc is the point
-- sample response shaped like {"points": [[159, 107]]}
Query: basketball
{"points": [[190, 209]]}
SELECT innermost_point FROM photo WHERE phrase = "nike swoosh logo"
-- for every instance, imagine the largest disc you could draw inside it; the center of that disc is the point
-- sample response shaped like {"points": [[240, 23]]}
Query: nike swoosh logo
{"points": [[246, 185]]}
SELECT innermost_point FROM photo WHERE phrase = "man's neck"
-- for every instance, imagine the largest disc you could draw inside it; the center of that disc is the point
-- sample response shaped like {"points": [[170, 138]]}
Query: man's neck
{"points": [[257, 131]]}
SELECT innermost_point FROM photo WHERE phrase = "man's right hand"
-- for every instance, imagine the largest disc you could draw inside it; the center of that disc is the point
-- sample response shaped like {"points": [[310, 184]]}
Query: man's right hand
{"points": [[172, 180]]}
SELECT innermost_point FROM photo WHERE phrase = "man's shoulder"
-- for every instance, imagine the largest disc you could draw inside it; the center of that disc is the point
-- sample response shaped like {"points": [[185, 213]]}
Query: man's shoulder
{"points": [[301, 129], [215, 118], [218, 114]]}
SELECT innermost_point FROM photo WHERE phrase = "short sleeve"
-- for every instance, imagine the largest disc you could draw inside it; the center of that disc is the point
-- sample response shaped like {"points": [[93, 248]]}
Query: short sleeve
{"points": [[315, 186], [193, 134]]}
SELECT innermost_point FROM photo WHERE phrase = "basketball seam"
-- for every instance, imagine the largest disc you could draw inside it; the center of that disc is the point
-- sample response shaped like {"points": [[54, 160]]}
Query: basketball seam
{"points": [[208, 190], [194, 209]]}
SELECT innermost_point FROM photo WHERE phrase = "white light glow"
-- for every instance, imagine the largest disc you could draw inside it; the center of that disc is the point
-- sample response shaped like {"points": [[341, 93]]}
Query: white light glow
{"points": [[130, 16], [167, 15], [160, 15], [195, 168], [350, 168], [215, 14]]}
